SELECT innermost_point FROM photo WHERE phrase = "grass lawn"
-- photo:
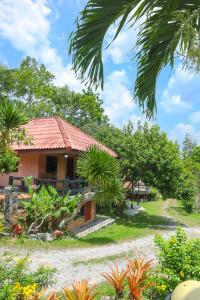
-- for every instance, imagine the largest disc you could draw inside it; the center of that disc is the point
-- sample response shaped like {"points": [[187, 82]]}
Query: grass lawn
{"points": [[124, 228], [176, 210]]}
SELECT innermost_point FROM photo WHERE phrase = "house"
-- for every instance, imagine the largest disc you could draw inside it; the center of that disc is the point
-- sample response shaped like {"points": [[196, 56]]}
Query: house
{"points": [[52, 155]]}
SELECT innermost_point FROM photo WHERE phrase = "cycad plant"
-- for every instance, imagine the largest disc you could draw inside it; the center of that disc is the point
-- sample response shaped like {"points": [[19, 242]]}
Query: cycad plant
{"points": [[102, 171], [12, 117], [167, 29]]}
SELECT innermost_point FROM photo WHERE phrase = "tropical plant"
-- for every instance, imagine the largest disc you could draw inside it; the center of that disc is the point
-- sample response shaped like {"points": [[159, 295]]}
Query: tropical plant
{"points": [[46, 208], [98, 166], [102, 171], [179, 259], [80, 291], [117, 279], [17, 282], [137, 275], [12, 117], [167, 29]]}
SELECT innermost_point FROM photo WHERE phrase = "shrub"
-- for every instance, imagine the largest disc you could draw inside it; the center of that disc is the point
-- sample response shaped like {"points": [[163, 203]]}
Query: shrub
{"points": [[8, 161], [17, 282], [179, 260], [46, 209], [154, 194]]}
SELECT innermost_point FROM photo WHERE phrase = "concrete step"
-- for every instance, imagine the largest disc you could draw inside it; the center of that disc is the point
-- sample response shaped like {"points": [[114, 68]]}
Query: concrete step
{"points": [[97, 224]]}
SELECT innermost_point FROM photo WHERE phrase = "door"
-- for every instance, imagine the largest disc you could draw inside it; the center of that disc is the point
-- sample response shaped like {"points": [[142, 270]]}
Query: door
{"points": [[70, 168], [51, 166]]}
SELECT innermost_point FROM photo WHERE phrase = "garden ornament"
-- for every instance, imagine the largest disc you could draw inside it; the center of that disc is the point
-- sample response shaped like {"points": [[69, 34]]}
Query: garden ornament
{"points": [[187, 290]]}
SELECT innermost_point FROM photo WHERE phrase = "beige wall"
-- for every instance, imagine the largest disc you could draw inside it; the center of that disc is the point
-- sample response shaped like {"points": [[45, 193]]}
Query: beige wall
{"points": [[28, 166], [34, 164]]}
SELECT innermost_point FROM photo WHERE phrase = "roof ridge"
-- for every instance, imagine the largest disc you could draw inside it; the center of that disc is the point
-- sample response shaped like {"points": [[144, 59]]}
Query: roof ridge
{"points": [[63, 134], [89, 136]]}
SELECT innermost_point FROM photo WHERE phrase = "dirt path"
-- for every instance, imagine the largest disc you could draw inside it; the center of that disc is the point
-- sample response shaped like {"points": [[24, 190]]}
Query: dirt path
{"points": [[68, 270]]}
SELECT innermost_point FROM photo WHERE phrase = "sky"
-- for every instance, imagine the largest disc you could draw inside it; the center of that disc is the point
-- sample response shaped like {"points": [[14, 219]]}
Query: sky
{"points": [[40, 29]]}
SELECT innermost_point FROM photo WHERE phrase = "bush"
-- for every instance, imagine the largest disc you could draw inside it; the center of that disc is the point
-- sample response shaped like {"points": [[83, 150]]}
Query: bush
{"points": [[179, 260], [16, 282], [154, 194], [47, 209], [8, 161]]}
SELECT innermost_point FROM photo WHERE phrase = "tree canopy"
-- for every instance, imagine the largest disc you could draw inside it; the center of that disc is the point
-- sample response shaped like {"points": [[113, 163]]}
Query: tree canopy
{"points": [[33, 85], [167, 29]]}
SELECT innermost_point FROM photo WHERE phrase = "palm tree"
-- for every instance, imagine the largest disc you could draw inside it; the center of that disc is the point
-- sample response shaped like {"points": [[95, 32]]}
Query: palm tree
{"points": [[12, 116], [170, 28], [102, 170]]}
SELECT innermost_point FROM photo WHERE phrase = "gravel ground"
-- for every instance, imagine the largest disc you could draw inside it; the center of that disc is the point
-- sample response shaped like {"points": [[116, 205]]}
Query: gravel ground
{"points": [[67, 271]]}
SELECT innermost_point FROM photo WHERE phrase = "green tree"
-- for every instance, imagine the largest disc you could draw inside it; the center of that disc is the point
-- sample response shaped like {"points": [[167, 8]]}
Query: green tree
{"points": [[33, 85], [188, 144], [146, 154], [30, 82], [168, 28]]}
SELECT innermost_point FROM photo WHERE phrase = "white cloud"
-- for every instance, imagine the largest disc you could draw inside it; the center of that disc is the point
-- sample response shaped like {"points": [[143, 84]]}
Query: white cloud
{"points": [[195, 117], [174, 103], [26, 24], [182, 91], [180, 131], [118, 101]]}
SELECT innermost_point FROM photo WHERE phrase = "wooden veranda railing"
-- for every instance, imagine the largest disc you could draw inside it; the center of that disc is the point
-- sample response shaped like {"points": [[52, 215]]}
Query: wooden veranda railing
{"points": [[63, 186]]}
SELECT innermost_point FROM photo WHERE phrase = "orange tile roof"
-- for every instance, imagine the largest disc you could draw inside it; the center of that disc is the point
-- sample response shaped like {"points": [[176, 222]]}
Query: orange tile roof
{"points": [[55, 133]]}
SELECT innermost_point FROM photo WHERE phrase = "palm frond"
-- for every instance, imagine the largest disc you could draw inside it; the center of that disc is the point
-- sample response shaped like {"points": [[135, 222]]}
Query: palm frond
{"points": [[86, 41], [160, 35]]}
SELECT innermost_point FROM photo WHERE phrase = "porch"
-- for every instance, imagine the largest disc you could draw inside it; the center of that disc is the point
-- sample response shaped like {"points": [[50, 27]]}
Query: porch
{"points": [[63, 186]]}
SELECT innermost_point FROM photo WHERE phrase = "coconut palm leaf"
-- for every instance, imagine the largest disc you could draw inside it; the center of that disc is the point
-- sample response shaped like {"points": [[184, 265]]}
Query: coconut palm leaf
{"points": [[169, 26]]}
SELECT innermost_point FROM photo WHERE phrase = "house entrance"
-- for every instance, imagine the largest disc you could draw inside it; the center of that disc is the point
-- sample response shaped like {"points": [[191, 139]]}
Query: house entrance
{"points": [[70, 168], [51, 166]]}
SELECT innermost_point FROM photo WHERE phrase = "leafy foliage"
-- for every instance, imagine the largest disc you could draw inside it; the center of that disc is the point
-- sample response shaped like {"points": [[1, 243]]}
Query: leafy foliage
{"points": [[102, 170], [16, 280], [166, 27], [8, 161], [135, 276], [12, 117], [46, 208], [97, 166], [117, 279], [179, 259], [81, 291], [138, 273], [32, 85]]}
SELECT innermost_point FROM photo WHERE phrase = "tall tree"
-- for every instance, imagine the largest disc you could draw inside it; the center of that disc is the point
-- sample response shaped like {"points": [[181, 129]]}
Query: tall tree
{"points": [[33, 85], [189, 144], [168, 28]]}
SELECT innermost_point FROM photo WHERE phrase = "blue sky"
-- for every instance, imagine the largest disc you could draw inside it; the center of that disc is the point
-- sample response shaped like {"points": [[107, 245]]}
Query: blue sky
{"points": [[40, 28]]}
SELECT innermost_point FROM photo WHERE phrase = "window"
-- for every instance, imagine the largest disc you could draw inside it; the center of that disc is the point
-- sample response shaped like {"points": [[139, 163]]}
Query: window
{"points": [[51, 164]]}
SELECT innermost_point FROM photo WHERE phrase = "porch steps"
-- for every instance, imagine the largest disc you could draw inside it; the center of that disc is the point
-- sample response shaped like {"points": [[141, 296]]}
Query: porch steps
{"points": [[98, 223]]}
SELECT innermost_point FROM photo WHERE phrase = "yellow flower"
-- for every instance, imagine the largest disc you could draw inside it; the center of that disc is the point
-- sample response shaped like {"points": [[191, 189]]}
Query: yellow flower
{"points": [[17, 286], [29, 290], [182, 274], [162, 287]]}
